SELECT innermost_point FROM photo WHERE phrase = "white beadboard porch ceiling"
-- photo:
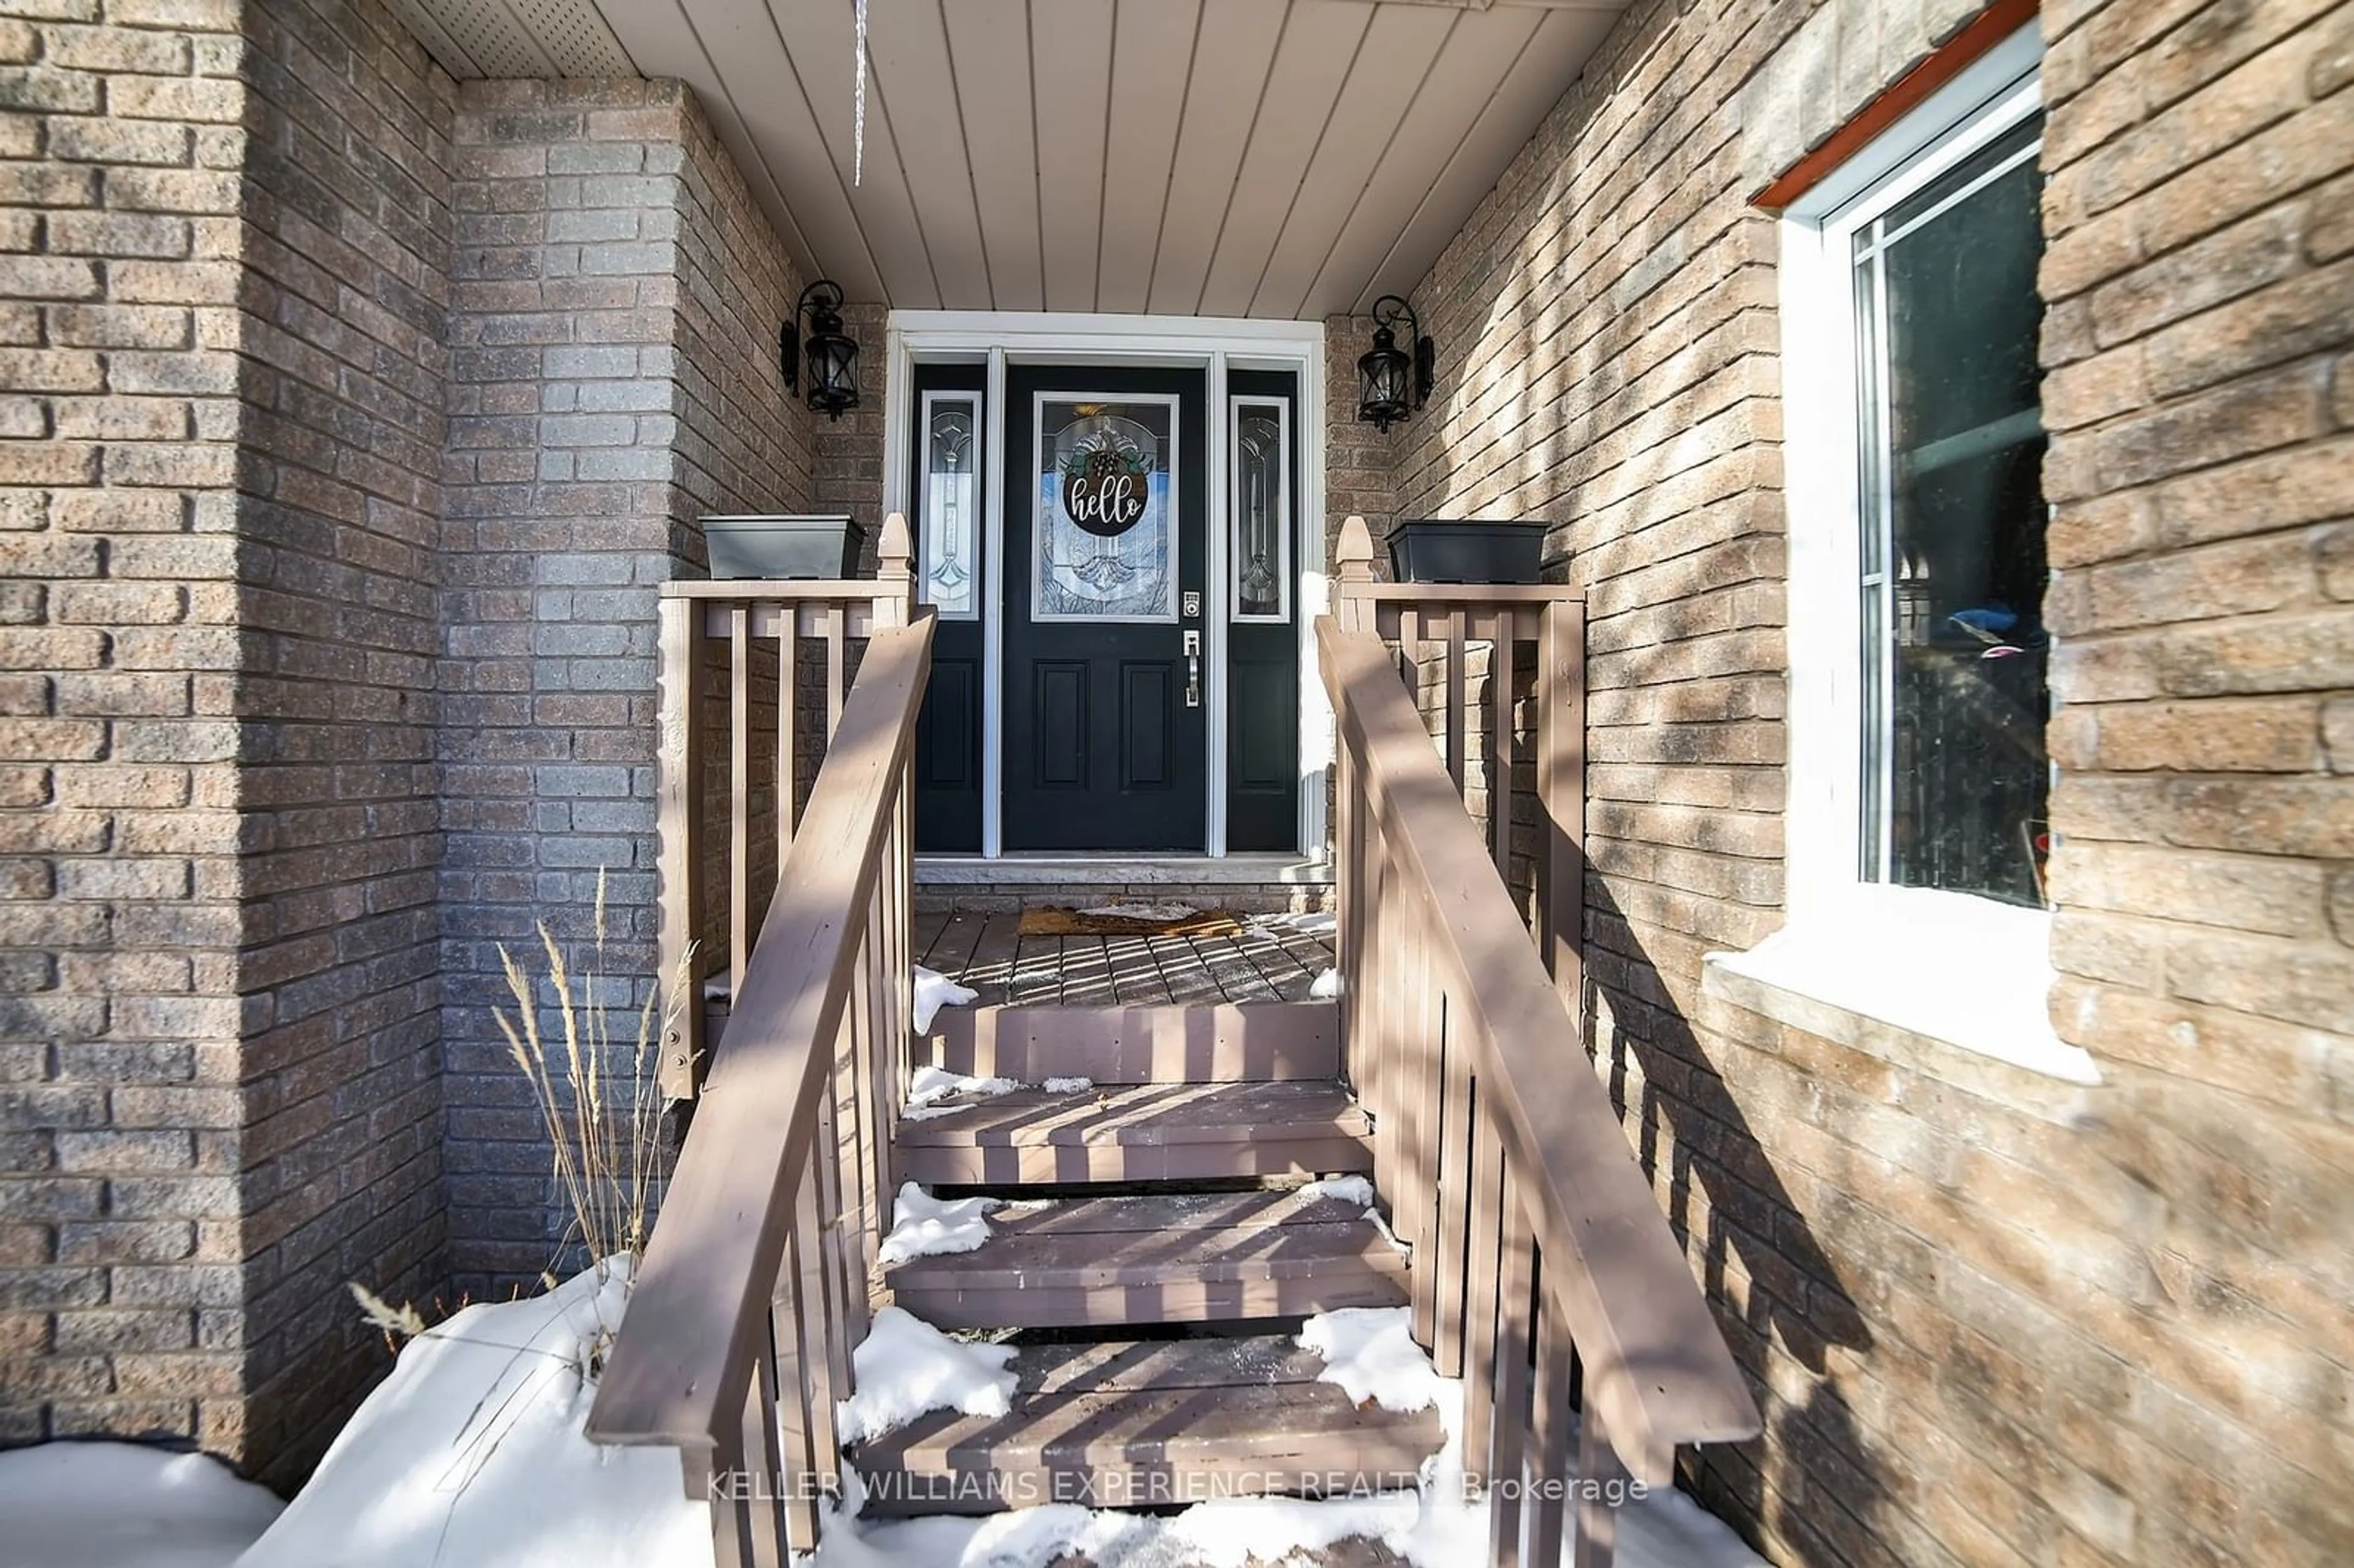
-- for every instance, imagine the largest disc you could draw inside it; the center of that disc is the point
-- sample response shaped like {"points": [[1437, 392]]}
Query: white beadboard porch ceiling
{"points": [[1270, 158]]}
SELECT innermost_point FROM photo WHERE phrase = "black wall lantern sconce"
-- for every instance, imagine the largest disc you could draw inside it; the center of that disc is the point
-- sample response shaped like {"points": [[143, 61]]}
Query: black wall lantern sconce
{"points": [[832, 357], [1392, 383]]}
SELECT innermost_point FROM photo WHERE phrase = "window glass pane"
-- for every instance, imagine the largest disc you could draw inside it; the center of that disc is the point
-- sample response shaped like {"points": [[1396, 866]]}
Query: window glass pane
{"points": [[1953, 558], [1262, 509], [951, 503]]}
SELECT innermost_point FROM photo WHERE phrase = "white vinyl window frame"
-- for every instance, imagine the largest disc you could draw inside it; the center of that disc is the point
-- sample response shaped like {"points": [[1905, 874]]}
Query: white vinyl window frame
{"points": [[1952, 968]]}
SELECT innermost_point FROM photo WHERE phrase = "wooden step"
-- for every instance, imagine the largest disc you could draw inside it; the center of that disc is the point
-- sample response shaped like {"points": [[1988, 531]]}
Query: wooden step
{"points": [[1141, 1132], [1224, 1042], [1161, 1258], [1131, 1424]]}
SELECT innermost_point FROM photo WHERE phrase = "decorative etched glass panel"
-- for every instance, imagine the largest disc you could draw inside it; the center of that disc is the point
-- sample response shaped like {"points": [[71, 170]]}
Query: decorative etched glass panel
{"points": [[1952, 556], [1106, 540], [1262, 509], [951, 503]]}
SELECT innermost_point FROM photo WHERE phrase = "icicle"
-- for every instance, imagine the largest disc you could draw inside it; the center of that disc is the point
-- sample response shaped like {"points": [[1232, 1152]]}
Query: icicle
{"points": [[858, 132]]}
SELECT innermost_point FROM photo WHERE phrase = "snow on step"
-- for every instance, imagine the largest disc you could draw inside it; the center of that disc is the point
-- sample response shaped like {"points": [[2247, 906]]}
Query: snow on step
{"points": [[1139, 1133], [1127, 1424], [1161, 1258]]}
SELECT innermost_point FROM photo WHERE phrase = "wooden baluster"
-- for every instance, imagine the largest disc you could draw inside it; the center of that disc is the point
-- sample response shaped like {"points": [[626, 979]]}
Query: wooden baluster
{"points": [[1483, 1266], [789, 644], [1399, 959], [825, 1199], [837, 673], [1375, 984], [1458, 719], [857, 1081], [764, 1462], [795, 1306], [739, 794], [731, 1504], [1349, 872], [825, 1374], [1453, 1150], [1600, 1476], [1427, 1023], [1549, 1436], [1561, 785], [1503, 652], [1513, 1332], [680, 838]]}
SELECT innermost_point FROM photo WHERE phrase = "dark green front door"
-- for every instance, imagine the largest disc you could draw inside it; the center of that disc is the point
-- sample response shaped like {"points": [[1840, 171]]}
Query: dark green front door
{"points": [[1105, 688]]}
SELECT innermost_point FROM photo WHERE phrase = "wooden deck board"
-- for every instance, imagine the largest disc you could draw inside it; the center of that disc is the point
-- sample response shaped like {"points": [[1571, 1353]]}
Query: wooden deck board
{"points": [[1263, 962], [1120, 1260], [1146, 1113], [1117, 1423]]}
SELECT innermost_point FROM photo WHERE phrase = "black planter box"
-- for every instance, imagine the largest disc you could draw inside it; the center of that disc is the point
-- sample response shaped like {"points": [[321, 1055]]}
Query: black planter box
{"points": [[783, 546], [1440, 550]]}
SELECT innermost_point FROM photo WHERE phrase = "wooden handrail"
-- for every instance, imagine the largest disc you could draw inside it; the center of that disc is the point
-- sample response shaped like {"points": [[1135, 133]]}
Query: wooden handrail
{"points": [[719, 748], [814, 1034], [1536, 1241], [1654, 1356]]}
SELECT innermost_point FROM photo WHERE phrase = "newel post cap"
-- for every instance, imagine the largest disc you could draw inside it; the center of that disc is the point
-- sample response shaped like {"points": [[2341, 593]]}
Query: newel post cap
{"points": [[1356, 552], [894, 558]]}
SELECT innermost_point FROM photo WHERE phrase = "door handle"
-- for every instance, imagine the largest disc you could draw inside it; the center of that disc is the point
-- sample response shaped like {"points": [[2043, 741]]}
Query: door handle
{"points": [[1193, 669]]}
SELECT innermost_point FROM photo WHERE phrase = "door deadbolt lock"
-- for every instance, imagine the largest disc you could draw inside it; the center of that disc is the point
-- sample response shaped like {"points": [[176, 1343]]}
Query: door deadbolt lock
{"points": [[1192, 666], [1193, 606]]}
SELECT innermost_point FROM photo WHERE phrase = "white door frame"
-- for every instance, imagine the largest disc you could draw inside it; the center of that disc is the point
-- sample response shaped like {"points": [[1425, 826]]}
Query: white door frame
{"points": [[1212, 345]]}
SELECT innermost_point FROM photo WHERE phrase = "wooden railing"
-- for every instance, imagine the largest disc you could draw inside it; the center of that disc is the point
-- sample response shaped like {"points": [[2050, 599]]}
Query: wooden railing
{"points": [[1543, 1271], [751, 683], [753, 1292]]}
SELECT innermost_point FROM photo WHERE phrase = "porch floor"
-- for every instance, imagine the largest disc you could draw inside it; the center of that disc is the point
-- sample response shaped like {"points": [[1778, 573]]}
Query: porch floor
{"points": [[1267, 960]]}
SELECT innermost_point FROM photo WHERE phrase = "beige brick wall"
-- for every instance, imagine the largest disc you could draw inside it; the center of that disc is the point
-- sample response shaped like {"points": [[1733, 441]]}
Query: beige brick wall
{"points": [[1987, 1325], [119, 974], [342, 391], [613, 378]]}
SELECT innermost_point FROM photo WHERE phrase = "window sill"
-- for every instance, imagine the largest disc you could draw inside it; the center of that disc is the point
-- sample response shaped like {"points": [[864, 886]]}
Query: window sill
{"points": [[1947, 985]]}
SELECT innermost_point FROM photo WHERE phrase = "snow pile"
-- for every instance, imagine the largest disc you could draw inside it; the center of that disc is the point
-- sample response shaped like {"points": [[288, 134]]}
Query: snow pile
{"points": [[906, 1368], [1327, 986], [930, 1085], [1358, 1191], [472, 1451], [934, 990], [1160, 912], [1068, 1086], [116, 1505], [1340, 1188], [926, 1226], [1371, 1353]]}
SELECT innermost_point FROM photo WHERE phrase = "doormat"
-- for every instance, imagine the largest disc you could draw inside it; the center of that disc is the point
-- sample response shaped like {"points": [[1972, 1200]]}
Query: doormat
{"points": [[1130, 920]]}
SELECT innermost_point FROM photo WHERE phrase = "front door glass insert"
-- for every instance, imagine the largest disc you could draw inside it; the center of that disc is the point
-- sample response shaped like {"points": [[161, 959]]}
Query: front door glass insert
{"points": [[1261, 553], [1105, 542], [951, 503]]}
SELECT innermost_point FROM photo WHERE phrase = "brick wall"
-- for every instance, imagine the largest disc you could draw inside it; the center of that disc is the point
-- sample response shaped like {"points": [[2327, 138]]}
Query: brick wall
{"points": [[613, 378], [1359, 460], [1988, 1322], [227, 403], [847, 453], [120, 142], [345, 292]]}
